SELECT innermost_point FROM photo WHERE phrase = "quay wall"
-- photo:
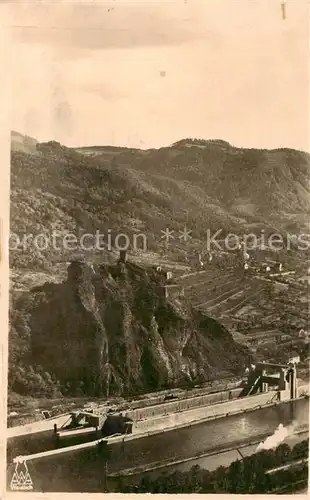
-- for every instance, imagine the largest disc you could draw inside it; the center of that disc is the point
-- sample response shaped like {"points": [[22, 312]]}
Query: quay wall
{"points": [[136, 414], [34, 427], [183, 405], [80, 469], [159, 397], [191, 411], [194, 415], [162, 424], [150, 412]]}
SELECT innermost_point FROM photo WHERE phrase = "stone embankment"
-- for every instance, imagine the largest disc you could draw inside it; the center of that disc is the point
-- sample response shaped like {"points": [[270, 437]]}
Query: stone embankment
{"points": [[166, 423], [204, 413], [34, 427], [181, 405], [170, 416], [139, 407]]}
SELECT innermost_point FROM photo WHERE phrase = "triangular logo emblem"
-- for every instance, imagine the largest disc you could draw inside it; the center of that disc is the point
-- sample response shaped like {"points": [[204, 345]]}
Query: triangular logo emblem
{"points": [[21, 480]]}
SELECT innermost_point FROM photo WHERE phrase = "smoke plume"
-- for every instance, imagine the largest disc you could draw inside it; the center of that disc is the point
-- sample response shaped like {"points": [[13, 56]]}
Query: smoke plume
{"points": [[279, 435]]}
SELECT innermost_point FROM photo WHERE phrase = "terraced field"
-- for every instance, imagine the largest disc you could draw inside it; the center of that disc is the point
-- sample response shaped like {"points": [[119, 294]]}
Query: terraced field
{"points": [[254, 310], [220, 293]]}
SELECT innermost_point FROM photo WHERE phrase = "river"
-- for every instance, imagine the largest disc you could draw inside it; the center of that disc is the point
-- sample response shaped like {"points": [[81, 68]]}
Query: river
{"points": [[85, 472], [208, 436]]}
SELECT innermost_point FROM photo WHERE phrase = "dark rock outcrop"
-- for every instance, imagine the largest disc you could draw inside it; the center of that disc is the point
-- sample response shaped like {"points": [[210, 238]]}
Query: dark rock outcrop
{"points": [[110, 330]]}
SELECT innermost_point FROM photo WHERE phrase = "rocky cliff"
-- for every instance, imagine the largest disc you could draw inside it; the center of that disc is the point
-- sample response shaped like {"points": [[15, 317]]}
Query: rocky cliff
{"points": [[110, 330]]}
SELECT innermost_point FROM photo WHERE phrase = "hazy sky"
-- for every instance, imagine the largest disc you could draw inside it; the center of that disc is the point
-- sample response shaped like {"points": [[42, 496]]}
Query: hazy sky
{"points": [[148, 73]]}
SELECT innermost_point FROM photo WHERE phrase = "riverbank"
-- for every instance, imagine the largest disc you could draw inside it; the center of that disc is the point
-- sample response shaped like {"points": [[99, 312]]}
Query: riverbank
{"points": [[31, 442], [21, 444], [261, 471], [28, 411], [221, 456], [82, 469]]}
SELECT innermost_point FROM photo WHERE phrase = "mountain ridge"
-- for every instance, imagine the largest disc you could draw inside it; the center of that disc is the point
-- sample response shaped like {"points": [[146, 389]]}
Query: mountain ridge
{"points": [[217, 186], [112, 323], [190, 141]]}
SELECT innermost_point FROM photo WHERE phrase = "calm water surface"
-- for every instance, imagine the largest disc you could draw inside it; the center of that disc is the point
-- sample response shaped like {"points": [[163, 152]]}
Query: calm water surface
{"points": [[188, 442]]}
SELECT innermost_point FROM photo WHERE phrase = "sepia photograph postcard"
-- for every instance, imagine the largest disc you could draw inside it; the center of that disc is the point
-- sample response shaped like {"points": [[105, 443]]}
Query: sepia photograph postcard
{"points": [[155, 246]]}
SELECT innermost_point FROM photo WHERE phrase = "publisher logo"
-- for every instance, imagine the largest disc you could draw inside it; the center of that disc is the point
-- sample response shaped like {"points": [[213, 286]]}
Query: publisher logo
{"points": [[21, 480]]}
